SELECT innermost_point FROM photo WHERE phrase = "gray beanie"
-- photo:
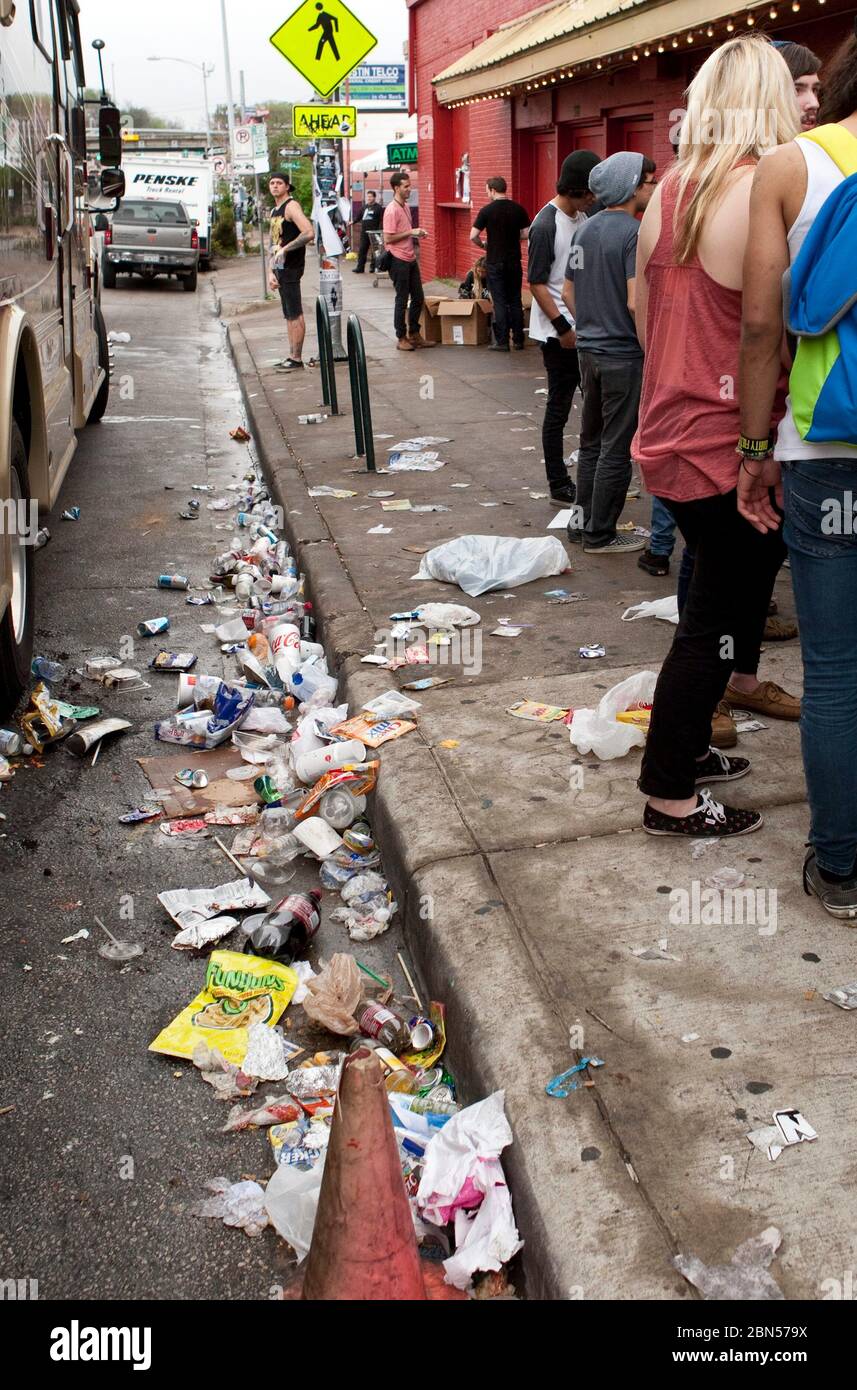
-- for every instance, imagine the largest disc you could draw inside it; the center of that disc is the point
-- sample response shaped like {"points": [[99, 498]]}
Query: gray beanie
{"points": [[616, 179]]}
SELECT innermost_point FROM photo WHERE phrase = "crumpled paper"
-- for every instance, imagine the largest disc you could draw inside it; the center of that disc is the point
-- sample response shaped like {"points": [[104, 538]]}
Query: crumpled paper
{"points": [[462, 1169], [488, 1239], [240, 1204], [267, 1056], [745, 1278]]}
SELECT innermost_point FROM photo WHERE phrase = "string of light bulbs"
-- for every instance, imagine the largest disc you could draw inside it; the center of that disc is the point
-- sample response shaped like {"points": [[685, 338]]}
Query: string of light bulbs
{"points": [[670, 42]]}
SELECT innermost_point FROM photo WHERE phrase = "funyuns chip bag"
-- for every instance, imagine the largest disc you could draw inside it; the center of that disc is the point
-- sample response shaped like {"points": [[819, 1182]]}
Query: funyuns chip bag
{"points": [[239, 990]]}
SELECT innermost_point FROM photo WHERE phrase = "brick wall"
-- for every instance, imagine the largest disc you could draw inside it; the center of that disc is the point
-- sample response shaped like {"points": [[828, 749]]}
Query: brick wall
{"points": [[628, 109]]}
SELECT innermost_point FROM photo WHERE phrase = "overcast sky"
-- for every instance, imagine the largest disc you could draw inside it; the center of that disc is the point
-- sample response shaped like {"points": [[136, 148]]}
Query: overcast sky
{"points": [[191, 29]]}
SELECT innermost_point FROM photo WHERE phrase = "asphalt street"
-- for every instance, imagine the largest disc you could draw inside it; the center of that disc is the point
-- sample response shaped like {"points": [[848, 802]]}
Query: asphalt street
{"points": [[107, 1146]]}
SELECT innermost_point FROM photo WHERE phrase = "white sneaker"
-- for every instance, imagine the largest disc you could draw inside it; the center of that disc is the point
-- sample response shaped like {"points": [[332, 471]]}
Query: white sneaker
{"points": [[621, 544]]}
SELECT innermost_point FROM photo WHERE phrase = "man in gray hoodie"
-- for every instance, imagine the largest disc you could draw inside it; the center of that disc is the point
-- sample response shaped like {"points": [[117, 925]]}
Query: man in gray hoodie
{"points": [[599, 292]]}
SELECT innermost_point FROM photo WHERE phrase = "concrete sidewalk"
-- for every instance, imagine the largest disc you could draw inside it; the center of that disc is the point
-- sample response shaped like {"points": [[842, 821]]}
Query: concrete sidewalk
{"points": [[525, 892]]}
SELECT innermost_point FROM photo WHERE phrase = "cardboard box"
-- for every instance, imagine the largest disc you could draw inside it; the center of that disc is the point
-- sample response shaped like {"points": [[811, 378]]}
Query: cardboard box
{"points": [[465, 322], [430, 326]]}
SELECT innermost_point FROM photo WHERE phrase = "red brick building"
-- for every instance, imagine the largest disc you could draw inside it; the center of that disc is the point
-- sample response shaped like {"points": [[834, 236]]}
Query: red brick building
{"points": [[517, 86]]}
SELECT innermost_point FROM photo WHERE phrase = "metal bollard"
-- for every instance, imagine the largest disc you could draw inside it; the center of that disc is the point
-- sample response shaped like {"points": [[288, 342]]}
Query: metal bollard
{"points": [[362, 410], [325, 355]]}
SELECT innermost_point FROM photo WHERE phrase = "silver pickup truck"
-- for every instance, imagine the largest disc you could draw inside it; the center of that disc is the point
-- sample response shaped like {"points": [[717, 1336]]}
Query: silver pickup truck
{"points": [[149, 237]]}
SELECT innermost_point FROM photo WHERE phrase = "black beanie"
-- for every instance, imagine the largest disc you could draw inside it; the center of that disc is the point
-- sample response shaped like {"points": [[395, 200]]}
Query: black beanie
{"points": [[575, 171]]}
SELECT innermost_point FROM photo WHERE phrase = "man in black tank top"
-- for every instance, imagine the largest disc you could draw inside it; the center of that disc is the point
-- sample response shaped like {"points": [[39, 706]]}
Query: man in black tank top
{"points": [[291, 232]]}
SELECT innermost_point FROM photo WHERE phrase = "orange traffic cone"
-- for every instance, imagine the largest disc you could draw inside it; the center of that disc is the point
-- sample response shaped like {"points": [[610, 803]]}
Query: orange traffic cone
{"points": [[363, 1246]]}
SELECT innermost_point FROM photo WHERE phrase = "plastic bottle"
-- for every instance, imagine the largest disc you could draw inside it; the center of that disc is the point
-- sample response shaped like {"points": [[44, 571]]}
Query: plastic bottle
{"points": [[377, 1021], [312, 680], [340, 807], [11, 743], [311, 766], [287, 930], [50, 671], [424, 1105]]}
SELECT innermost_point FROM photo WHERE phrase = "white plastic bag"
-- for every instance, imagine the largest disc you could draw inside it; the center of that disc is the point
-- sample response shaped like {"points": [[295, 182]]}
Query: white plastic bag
{"points": [[596, 730], [478, 564], [447, 615], [666, 608], [291, 1202]]}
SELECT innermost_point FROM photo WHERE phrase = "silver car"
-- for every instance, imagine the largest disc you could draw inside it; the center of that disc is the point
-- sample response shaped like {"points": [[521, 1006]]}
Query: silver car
{"points": [[150, 237]]}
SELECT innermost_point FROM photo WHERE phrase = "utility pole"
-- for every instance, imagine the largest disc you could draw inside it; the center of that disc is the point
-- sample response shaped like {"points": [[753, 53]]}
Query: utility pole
{"points": [[206, 73], [230, 109]]}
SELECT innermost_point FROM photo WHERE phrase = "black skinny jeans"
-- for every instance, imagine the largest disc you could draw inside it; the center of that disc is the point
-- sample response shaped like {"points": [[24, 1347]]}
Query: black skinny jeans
{"points": [[720, 631], [406, 277], [563, 374], [504, 282]]}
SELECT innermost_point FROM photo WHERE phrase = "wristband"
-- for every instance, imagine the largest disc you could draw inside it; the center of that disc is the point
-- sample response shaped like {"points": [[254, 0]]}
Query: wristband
{"points": [[562, 325], [754, 448]]}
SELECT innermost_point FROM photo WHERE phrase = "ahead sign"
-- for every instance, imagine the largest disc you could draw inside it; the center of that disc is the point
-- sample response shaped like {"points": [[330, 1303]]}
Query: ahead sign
{"points": [[330, 122]]}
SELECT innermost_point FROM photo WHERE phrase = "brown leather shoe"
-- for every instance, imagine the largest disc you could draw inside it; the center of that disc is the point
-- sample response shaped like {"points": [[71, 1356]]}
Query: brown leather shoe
{"points": [[778, 630], [418, 341], [405, 345], [767, 698], [723, 731]]}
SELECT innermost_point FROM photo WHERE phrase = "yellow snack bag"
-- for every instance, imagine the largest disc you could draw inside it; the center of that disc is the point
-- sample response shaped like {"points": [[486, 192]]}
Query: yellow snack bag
{"points": [[239, 990]]}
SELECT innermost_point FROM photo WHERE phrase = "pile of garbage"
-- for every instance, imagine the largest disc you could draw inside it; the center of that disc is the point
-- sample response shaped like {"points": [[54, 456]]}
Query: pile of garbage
{"points": [[272, 752]]}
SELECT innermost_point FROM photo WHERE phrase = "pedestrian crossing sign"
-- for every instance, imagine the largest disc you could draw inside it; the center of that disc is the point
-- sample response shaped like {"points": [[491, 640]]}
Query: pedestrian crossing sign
{"points": [[324, 41]]}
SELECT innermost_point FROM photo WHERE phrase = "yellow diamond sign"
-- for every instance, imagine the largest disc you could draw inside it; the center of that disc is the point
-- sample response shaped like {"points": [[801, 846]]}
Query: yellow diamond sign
{"points": [[324, 41]]}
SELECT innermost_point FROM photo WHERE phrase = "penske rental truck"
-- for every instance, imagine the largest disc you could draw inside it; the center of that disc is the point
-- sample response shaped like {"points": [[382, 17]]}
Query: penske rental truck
{"points": [[177, 179], [54, 358]]}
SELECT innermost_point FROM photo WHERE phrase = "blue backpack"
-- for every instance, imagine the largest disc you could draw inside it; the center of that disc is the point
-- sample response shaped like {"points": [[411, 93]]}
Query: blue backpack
{"points": [[823, 312]]}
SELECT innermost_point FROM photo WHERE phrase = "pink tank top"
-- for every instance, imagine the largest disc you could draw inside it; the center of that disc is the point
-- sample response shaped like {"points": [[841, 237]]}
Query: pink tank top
{"points": [[689, 413]]}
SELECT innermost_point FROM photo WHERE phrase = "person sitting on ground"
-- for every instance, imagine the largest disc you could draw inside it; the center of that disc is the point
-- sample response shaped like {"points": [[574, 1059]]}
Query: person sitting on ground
{"points": [[474, 286]]}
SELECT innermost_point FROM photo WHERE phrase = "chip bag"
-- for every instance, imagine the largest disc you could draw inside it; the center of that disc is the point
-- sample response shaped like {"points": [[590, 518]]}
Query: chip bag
{"points": [[239, 990]]}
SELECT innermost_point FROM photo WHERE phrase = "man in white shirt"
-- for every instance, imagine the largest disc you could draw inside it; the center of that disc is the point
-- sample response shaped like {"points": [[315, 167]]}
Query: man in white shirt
{"points": [[549, 245]]}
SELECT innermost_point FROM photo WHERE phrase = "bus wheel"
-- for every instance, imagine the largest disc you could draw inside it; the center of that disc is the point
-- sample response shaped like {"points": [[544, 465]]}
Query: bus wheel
{"points": [[99, 405], [16, 624]]}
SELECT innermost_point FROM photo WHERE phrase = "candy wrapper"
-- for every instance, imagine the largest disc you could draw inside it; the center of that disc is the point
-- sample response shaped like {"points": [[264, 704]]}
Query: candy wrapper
{"points": [[239, 990], [373, 732], [359, 783]]}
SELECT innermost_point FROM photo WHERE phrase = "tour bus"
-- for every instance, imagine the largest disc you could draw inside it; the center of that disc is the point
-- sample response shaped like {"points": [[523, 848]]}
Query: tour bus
{"points": [[54, 358]]}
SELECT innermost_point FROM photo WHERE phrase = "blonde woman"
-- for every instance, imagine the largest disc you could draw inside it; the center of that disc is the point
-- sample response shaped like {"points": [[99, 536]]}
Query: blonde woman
{"points": [[689, 273]]}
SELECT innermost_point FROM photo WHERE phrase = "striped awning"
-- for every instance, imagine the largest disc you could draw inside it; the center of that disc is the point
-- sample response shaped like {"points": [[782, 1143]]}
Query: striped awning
{"points": [[554, 38]]}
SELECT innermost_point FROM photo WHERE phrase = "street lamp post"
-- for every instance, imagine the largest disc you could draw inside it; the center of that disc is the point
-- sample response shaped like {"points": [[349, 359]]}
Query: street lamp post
{"points": [[206, 69]]}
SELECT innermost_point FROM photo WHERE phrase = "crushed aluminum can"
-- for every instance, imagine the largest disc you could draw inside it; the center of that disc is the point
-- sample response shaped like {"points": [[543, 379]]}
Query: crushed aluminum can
{"points": [[71, 514], [202, 602], [173, 581], [138, 814], [188, 516], [153, 627], [42, 538], [596, 649], [192, 778]]}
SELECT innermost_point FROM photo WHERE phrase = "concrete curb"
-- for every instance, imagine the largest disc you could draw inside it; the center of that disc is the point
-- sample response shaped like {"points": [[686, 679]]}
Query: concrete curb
{"points": [[517, 1034]]}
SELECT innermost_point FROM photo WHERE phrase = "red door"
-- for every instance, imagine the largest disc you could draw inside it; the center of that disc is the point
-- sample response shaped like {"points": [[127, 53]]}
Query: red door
{"points": [[582, 137], [638, 134], [544, 169]]}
